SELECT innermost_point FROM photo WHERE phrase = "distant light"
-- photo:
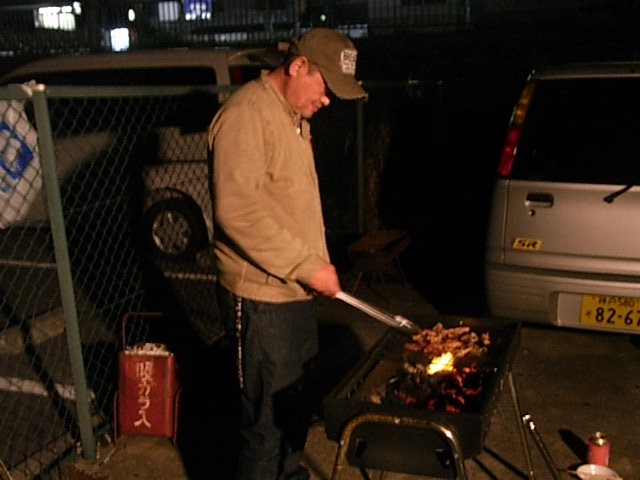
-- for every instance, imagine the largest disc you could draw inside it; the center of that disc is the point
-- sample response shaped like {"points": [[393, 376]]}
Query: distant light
{"points": [[131, 15], [197, 9], [77, 8], [168, 11], [55, 18], [119, 39]]}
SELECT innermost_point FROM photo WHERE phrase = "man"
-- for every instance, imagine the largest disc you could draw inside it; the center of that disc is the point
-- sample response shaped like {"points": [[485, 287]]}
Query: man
{"points": [[270, 247]]}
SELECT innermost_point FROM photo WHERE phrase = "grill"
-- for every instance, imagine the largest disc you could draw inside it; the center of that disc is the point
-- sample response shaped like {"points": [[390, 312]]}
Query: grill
{"points": [[410, 438]]}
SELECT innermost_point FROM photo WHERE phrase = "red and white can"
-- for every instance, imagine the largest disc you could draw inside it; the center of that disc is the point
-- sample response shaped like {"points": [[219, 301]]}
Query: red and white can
{"points": [[598, 449]]}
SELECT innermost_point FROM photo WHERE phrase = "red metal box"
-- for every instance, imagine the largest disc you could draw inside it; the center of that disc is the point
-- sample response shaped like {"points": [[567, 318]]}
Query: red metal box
{"points": [[148, 388]]}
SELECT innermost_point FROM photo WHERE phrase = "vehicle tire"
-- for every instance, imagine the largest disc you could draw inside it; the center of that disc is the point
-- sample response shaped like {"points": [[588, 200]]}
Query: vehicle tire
{"points": [[174, 229]]}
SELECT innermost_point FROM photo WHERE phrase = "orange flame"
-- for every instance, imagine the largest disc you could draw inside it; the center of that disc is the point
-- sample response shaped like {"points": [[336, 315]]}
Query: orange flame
{"points": [[443, 363]]}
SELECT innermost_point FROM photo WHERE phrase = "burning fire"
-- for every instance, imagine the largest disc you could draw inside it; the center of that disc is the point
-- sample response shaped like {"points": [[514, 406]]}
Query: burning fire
{"points": [[443, 363], [429, 376]]}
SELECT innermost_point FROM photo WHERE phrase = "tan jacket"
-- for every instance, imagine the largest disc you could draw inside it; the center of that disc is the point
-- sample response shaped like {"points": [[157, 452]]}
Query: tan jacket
{"points": [[270, 234]]}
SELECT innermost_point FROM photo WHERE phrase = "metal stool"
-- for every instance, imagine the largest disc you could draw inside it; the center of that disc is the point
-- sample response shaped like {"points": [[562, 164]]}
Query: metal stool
{"points": [[377, 252]]}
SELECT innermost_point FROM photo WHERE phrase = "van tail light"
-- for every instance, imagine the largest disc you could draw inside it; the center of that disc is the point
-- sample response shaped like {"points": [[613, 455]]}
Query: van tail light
{"points": [[508, 151], [513, 132]]}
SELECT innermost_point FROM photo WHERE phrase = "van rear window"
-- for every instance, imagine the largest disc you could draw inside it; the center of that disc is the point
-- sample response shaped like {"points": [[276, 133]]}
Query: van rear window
{"points": [[581, 130]]}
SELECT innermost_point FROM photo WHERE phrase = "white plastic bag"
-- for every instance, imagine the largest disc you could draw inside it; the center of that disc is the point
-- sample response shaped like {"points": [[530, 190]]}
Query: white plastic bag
{"points": [[20, 172]]}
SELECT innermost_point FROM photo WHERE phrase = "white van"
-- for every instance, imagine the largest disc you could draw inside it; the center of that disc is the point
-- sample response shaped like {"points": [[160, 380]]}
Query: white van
{"points": [[177, 219], [563, 243]]}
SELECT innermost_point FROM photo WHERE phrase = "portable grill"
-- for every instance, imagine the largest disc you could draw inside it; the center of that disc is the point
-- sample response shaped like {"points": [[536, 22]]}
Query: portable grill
{"points": [[410, 438]]}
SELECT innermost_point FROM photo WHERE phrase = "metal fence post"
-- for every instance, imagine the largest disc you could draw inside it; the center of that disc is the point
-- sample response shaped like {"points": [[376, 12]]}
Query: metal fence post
{"points": [[360, 161], [54, 203]]}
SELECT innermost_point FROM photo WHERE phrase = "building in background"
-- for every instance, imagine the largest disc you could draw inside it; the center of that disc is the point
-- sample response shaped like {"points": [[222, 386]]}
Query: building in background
{"points": [[36, 27]]}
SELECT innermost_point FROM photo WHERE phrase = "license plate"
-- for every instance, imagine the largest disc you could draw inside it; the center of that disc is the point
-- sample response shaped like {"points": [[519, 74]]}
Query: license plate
{"points": [[610, 312]]}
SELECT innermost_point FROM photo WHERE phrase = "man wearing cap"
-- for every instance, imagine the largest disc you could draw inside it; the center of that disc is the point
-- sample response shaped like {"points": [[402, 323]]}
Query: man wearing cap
{"points": [[270, 246]]}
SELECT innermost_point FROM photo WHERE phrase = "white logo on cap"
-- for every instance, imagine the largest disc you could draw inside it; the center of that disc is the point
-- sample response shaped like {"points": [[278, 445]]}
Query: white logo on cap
{"points": [[348, 61]]}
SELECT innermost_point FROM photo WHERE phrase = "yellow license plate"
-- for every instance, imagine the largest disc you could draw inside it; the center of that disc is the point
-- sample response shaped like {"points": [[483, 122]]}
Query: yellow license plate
{"points": [[610, 312]]}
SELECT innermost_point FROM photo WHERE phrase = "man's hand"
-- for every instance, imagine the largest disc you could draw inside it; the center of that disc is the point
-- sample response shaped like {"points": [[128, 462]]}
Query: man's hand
{"points": [[325, 280]]}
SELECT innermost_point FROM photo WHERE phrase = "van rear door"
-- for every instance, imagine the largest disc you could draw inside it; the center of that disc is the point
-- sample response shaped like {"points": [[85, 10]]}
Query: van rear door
{"points": [[578, 147]]}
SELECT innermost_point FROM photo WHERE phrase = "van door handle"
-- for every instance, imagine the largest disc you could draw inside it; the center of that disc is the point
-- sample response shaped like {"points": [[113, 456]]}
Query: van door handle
{"points": [[539, 200]]}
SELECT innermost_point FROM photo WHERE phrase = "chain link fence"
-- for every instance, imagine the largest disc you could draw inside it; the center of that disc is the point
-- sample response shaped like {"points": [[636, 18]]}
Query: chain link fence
{"points": [[34, 30], [81, 209]]}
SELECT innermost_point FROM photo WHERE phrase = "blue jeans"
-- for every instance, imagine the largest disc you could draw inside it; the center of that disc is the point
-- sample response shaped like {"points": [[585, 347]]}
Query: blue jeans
{"points": [[275, 342]]}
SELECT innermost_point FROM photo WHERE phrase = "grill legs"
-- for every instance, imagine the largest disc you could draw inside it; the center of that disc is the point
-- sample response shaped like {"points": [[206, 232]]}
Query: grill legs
{"points": [[341, 462], [341, 458], [523, 437]]}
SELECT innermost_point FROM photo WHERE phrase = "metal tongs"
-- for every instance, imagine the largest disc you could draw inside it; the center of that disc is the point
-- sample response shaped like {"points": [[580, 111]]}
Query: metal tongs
{"points": [[395, 321], [528, 421]]}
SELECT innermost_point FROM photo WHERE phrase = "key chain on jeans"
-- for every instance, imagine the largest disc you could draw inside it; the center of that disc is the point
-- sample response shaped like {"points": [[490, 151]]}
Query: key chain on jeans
{"points": [[239, 339]]}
